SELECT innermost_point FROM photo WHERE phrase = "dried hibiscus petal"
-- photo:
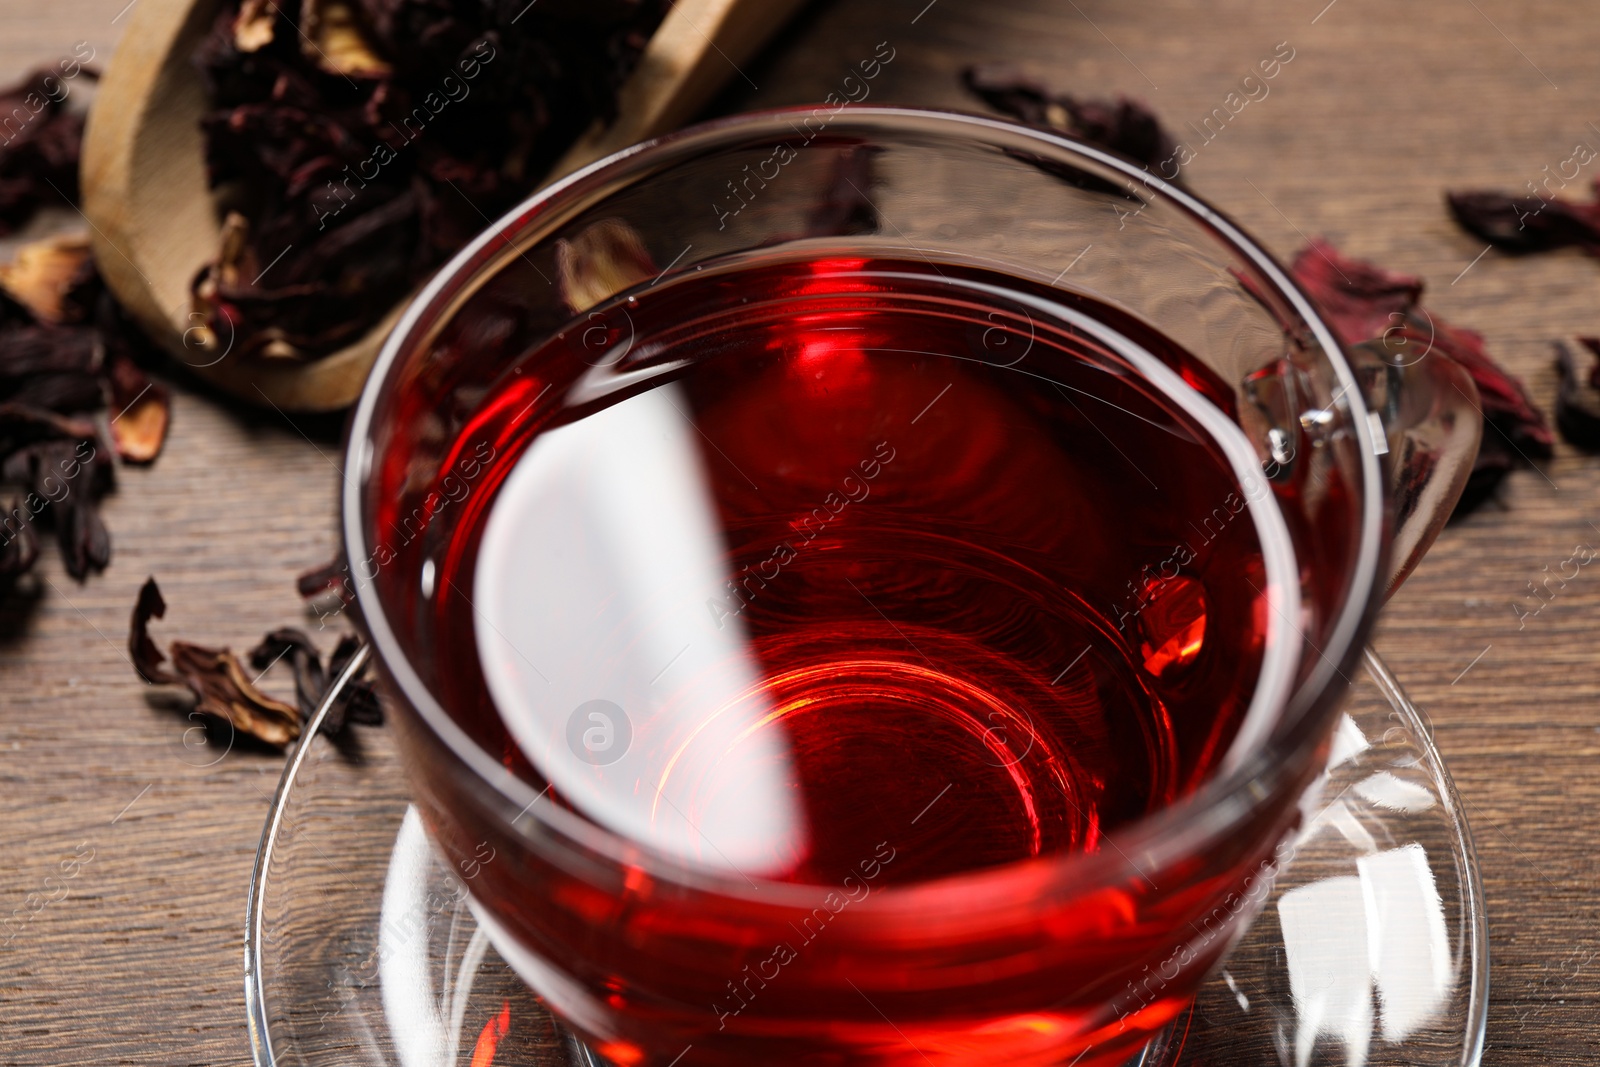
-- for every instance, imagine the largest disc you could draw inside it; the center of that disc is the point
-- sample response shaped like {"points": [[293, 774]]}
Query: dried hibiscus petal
{"points": [[1527, 223], [140, 412], [220, 686], [1122, 125], [68, 475], [310, 683], [223, 691], [39, 159], [1363, 302], [19, 545], [48, 278], [1578, 396], [358, 701], [330, 577], [146, 655], [337, 42]]}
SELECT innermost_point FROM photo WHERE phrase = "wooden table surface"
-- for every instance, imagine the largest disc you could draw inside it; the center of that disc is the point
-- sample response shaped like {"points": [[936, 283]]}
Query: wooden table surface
{"points": [[1383, 107]]}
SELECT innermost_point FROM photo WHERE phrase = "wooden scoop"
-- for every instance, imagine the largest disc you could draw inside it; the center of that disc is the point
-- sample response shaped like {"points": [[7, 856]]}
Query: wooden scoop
{"points": [[155, 223]]}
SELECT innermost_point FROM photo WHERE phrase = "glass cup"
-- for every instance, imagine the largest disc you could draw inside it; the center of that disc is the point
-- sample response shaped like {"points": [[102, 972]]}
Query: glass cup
{"points": [[1072, 958]]}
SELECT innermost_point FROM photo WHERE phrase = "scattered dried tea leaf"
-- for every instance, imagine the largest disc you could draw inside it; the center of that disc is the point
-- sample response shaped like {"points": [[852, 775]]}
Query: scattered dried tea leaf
{"points": [[1527, 223], [140, 412], [65, 345], [1363, 302], [359, 702], [68, 477], [1578, 395], [45, 274], [1122, 125]]}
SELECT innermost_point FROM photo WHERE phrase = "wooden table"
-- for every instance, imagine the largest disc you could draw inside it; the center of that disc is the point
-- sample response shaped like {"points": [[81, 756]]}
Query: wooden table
{"points": [[1382, 108]]}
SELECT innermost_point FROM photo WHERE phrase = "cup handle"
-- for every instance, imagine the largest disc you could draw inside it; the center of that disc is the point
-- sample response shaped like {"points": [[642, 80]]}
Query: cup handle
{"points": [[1432, 422]]}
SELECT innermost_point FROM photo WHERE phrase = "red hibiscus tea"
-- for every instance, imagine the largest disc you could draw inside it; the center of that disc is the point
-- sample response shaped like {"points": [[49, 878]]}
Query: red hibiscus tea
{"points": [[836, 581]]}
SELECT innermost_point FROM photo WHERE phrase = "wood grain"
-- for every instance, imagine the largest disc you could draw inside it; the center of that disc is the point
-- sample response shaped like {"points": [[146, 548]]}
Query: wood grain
{"points": [[1382, 108]]}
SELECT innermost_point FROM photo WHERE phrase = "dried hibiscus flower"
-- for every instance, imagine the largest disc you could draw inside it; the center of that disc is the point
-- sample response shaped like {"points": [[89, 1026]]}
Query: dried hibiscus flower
{"points": [[19, 545], [52, 278], [66, 348], [140, 412], [1528, 223], [358, 702], [39, 159], [357, 144], [1363, 302], [1122, 125], [221, 689], [1578, 396], [224, 692]]}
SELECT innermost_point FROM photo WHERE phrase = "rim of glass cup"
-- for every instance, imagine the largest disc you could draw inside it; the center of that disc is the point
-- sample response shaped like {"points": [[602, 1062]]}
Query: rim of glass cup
{"points": [[1157, 837]]}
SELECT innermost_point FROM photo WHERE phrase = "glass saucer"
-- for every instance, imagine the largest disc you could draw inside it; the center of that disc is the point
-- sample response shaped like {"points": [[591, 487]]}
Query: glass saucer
{"points": [[1371, 950]]}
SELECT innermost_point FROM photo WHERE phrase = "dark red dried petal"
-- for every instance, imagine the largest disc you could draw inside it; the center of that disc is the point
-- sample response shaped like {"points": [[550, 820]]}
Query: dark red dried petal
{"points": [[1578, 396], [1363, 302], [1358, 299], [39, 158], [310, 681], [146, 655], [331, 577], [359, 701], [1122, 125], [68, 476], [19, 545], [1527, 223]]}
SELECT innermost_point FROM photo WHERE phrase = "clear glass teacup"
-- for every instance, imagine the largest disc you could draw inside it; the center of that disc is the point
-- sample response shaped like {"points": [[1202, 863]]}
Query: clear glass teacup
{"points": [[1019, 522]]}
